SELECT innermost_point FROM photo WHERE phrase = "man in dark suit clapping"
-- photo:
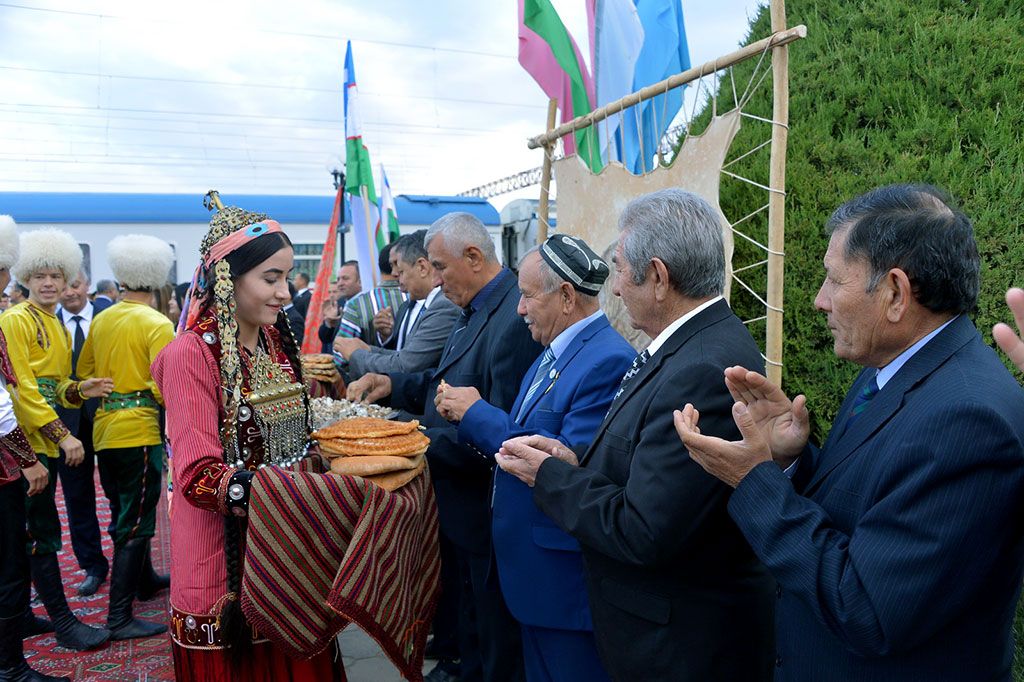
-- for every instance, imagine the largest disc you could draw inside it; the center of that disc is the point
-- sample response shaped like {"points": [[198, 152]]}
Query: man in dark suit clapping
{"points": [[899, 545], [675, 591]]}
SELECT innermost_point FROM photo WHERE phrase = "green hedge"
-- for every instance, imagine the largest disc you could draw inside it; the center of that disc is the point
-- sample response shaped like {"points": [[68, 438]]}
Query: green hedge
{"points": [[885, 91]]}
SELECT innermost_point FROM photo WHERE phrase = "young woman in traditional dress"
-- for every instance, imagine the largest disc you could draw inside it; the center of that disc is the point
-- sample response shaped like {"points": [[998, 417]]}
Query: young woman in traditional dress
{"points": [[233, 390]]}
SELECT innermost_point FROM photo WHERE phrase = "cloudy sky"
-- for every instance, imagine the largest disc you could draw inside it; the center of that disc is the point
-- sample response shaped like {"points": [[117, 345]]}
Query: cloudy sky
{"points": [[246, 97]]}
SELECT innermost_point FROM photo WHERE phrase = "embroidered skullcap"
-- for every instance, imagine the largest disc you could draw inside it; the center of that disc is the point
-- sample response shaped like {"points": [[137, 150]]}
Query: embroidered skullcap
{"points": [[575, 262]]}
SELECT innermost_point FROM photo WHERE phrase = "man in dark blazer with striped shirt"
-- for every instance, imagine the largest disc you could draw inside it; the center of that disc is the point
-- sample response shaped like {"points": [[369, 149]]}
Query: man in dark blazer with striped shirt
{"points": [[490, 349], [898, 546]]}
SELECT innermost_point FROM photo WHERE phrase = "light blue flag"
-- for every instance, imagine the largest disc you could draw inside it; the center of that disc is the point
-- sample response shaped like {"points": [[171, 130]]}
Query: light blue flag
{"points": [[618, 40], [664, 54]]}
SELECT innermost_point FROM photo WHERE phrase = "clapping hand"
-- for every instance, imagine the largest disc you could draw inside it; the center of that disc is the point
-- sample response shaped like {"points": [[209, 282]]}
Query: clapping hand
{"points": [[1004, 335], [772, 428], [523, 456]]}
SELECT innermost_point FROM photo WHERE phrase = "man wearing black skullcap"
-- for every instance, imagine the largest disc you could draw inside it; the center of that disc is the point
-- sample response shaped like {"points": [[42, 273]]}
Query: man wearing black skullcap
{"points": [[675, 591], [565, 395]]}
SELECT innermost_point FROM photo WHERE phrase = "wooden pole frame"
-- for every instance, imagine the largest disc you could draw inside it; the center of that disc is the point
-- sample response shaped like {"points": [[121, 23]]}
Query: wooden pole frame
{"points": [[777, 198], [781, 38], [777, 43], [545, 178]]}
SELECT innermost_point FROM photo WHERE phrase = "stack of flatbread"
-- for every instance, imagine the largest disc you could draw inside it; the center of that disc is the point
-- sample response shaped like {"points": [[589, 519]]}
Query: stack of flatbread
{"points": [[320, 366], [389, 453]]}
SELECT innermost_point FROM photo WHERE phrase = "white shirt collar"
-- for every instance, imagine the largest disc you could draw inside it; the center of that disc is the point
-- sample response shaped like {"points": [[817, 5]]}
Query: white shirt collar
{"points": [[85, 313], [300, 292], [661, 338], [889, 371], [562, 341], [431, 296]]}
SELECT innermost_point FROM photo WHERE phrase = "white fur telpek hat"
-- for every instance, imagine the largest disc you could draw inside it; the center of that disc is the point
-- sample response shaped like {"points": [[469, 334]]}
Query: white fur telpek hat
{"points": [[48, 248], [140, 262], [8, 242]]}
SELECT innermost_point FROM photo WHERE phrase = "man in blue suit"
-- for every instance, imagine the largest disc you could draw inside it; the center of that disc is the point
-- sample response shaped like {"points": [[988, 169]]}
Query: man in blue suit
{"points": [[565, 395], [898, 547]]}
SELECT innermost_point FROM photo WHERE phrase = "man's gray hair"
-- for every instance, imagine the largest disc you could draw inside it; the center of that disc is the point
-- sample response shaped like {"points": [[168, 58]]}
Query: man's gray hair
{"points": [[682, 230], [106, 286], [461, 230], [549, 279]]}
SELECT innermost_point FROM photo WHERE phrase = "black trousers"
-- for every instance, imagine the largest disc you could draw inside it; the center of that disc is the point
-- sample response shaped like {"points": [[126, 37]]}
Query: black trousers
{"points": [[79, 489], [14, 575], [490, 641]]}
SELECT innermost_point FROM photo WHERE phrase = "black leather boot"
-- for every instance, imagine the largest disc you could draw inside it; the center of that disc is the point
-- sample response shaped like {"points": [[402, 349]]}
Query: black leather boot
{"points": [[151, 583], [33, 625], [124, 580], [13, 667], [71, 633]]}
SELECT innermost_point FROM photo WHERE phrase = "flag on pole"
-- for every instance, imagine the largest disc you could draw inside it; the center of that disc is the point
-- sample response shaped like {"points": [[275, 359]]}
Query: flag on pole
{"points": [[617, 36], [387, 223], [314, 314], [548, 53], [359, 180], [665, 53]]}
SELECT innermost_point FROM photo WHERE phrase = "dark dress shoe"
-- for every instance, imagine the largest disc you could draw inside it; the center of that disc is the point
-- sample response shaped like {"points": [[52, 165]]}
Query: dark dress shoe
{"points": [[445, 671], [89, 586]]}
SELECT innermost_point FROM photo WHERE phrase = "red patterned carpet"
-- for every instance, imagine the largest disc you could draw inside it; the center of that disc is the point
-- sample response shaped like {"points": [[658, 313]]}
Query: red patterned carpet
{"points": [[136, 660]]}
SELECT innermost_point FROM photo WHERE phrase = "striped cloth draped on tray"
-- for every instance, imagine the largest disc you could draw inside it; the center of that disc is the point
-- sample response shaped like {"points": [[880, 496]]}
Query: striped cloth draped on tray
{"points": [[323, 550]]}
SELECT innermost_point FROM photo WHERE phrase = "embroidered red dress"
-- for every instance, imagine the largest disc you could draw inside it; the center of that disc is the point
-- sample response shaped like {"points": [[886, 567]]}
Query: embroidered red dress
{"points": [[188, 375]]}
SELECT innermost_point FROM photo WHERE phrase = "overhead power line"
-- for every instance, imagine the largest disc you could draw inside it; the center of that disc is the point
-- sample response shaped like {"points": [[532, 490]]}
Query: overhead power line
{"points": [[295, 34], [265, 86]]}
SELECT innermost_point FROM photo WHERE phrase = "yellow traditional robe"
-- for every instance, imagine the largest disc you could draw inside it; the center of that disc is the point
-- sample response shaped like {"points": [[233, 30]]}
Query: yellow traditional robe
{"points": [[123, 342], [40, 348]]}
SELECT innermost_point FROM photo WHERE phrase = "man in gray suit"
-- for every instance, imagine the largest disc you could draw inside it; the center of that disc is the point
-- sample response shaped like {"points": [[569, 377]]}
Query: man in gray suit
{"points": [[422, 324]]}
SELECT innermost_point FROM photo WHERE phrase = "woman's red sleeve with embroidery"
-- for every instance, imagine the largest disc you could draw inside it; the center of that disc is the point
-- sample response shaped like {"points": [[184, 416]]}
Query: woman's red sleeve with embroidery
{"points": [[190, 389]]}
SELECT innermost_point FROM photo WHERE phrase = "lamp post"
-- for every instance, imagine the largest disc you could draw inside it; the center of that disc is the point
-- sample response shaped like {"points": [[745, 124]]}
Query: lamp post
{"points": [[339, 182]]}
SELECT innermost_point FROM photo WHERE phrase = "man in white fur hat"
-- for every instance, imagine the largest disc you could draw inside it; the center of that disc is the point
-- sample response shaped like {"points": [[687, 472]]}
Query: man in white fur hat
{"points": [[122, 344], [40, 354], [17, 461]]}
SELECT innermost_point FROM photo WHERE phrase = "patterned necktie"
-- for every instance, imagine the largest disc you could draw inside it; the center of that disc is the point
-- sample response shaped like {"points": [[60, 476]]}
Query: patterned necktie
{"points": [[461, 323], [634, 369], [862, 400], [538, 378], [76, 346]]}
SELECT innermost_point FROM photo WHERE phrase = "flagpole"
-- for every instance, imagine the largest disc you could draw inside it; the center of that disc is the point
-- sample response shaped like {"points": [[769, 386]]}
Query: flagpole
{"points": [[545, 177], [369, 229]]}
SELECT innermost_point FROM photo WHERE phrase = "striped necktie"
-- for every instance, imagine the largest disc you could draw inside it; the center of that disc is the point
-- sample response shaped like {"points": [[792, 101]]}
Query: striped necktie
{"points": [[861, 402], [538, 378]]}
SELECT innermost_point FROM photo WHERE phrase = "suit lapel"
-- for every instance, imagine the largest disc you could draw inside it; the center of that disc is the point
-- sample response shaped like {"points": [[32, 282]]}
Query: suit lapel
{"points": [[563, 360], [459, 343], [705, 318], [841, 443]]}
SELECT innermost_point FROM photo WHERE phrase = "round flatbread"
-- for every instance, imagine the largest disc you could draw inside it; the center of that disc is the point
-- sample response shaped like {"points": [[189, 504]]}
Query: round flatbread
{"points": [[370, 466], [366, 427], [403, 445]]}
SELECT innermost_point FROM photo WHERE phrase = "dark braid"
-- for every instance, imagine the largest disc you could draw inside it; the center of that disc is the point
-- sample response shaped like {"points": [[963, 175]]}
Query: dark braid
{"points": [[236, 633], [288, 343]]}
